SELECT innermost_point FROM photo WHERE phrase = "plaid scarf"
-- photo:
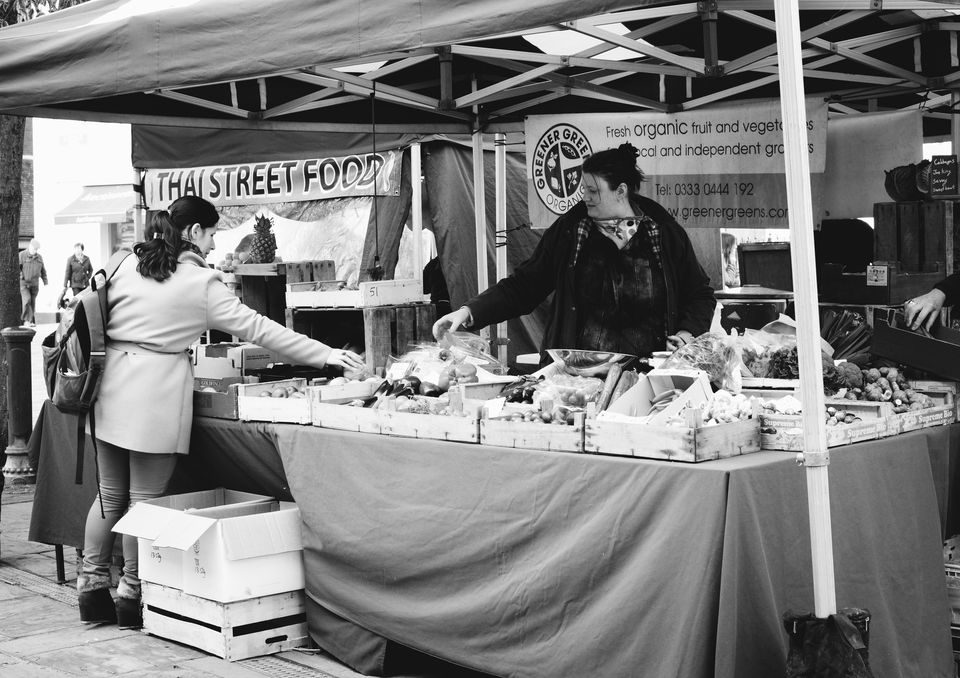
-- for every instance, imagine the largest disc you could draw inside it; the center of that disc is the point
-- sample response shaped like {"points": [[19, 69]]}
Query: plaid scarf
{"points": [[632, 224]]}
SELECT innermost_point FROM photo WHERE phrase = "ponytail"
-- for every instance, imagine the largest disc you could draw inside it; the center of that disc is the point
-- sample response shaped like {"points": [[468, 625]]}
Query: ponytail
{"points": [[159, 251], [163, 238]]}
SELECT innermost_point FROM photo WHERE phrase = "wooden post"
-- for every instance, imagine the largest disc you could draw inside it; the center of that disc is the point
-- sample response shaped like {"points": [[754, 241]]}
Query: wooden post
{"points": [[815, 456]]}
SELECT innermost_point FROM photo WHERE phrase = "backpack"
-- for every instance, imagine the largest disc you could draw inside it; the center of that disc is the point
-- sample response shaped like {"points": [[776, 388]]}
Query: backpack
{"points": [[74, 355]]}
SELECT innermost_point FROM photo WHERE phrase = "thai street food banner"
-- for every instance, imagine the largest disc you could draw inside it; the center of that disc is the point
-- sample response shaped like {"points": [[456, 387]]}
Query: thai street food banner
{"points": [[721, 167], [277, 181]]}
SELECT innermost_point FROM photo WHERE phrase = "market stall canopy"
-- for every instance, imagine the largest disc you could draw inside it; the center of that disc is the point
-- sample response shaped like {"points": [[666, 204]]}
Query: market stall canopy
{"points": [[455, 65], [105, 204]]}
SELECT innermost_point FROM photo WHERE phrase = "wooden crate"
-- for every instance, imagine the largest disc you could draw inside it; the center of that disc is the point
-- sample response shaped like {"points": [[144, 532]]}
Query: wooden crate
{"points": [[233, 631], [336, 414], [532, 435], [672, 443], [785, 431], [942, 413], [461, 427], [253, 406], [932, 386], [913, 233], [383, 331]]}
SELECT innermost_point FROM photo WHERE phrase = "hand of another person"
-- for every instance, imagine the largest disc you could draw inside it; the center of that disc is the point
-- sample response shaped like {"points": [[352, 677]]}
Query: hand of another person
{"points": [[924, 310], [451, 322], [348, 360], [681, 338]]}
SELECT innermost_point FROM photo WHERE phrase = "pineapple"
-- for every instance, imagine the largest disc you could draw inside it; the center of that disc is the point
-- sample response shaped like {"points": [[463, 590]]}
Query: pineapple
{"points": [[264, 248]]}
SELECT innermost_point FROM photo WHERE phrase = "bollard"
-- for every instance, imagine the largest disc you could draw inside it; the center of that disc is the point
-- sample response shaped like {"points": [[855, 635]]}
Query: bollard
{"points": [[17, 470]]}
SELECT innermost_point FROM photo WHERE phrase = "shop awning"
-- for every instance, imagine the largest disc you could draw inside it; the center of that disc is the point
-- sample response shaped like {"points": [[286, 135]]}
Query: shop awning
{"points": [[109, 204]]}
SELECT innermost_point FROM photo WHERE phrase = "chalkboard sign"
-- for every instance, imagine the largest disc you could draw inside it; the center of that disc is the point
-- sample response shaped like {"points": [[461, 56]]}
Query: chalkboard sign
{"points": [[943, 176]]}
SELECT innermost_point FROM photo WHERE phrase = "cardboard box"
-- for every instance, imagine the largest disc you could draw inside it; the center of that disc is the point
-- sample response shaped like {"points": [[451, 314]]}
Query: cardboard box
{"points": [[221, 402], [233, 631], [230, 360], [937, 353], [147, 519], [237, 552], [638, 400]]}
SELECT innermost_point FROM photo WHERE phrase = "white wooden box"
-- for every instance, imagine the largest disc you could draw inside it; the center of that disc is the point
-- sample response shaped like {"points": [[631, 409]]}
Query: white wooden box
{"points": [[233, 631], [672, 443], [253, 406], [375, 293], [942, 413]]}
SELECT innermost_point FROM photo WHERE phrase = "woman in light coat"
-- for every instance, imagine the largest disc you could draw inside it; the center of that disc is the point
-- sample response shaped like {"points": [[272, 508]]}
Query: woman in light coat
{"points": [[161, 299]]}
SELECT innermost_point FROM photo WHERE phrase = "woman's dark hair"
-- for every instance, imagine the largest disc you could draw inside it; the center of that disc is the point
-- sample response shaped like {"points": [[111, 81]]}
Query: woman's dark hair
{"points": [[616, 166], [163, 240]]}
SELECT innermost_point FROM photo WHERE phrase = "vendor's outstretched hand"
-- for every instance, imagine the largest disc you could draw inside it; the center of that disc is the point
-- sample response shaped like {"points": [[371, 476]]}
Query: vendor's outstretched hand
{"points": [[348, 360], [451, 322], [681, 338], [924, 310]]}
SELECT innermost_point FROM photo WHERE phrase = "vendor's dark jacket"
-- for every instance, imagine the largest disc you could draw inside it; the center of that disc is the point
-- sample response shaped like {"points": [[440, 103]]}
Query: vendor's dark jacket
{"points": [[690, 302], [78, 272]]}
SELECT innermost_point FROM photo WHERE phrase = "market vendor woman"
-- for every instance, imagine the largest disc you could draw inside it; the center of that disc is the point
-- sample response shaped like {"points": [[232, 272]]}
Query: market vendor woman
{"points": [[623, 271]]}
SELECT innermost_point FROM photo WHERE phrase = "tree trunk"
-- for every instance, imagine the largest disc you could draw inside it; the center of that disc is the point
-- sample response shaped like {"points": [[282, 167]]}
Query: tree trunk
{"points": [[11, 170]]}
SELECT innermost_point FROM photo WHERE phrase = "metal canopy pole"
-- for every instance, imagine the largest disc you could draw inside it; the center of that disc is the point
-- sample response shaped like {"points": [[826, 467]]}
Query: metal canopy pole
{"points": [[500, 155], [416, 208], [815, 457], [480, 212]]}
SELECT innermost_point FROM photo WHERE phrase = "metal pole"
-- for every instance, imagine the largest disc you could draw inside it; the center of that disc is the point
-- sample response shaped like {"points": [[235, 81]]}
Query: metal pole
{"points": [[500, 156], [416, 208], [480, 219], [815, 458], [17, 469]]}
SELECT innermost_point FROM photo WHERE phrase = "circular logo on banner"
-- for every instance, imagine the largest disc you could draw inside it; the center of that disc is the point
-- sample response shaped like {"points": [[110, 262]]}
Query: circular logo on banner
{"points": [[557, 173]]}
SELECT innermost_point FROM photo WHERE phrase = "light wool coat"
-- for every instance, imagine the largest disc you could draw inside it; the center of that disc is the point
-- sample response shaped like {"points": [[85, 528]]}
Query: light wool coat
{"points": [[146, 396]]}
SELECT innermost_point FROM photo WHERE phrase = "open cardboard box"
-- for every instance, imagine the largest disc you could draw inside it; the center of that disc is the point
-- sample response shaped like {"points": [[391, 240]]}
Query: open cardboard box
{"points": [[221, 402], [146, 520], [223, 552], [638, 400], [230, 360]]}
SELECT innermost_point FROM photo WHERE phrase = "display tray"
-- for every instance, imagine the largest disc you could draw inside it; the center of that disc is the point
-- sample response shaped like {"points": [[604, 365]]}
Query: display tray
{"points": [[672, 443], [252, 405], [233, 631]]}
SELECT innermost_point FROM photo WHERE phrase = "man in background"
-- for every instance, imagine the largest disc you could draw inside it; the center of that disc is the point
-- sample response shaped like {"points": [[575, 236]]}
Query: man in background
{"points": [[79, 270], [32, 272]]}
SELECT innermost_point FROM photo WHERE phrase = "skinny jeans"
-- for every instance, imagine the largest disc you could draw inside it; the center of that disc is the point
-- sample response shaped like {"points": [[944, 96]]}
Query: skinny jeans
{"points": [[126, 477]]}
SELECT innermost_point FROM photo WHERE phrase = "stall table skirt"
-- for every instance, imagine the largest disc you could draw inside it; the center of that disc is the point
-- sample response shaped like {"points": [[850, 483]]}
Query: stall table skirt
{"points": [[524, 563]]}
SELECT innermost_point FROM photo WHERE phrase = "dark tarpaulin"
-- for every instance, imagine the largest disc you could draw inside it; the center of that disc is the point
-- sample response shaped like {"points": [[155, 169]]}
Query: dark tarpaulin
{"points": [[156, 147]]}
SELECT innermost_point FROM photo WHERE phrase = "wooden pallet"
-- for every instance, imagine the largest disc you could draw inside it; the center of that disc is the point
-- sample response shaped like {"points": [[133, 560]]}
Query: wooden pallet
{"points": [[233, 631]]}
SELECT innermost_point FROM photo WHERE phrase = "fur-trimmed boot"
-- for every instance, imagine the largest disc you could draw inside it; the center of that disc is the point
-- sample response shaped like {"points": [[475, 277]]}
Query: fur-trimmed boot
{"points": [[129, 614], [94, 599]]}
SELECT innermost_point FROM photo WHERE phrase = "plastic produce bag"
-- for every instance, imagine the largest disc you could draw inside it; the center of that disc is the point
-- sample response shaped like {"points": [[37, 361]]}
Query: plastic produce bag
{"points": [[715, 354]]}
